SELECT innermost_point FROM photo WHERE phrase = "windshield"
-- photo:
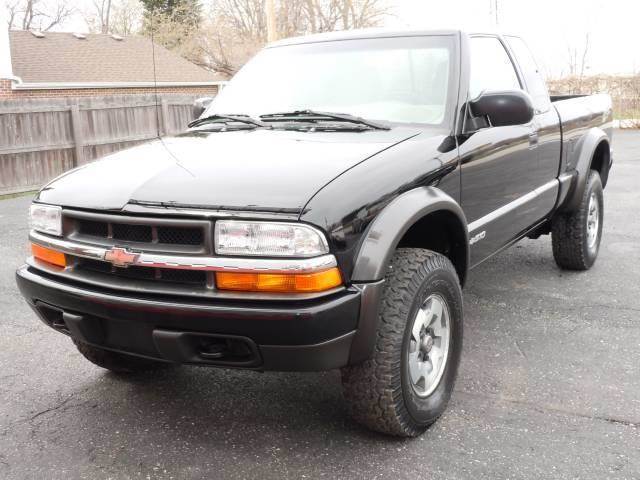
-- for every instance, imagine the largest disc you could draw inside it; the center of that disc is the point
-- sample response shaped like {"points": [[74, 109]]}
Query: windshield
{"points": [[402, 80]]}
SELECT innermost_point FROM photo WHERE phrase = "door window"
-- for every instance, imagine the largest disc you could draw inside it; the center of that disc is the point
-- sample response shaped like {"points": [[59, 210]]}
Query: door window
{"points": [[536, 85], [491, 67]]}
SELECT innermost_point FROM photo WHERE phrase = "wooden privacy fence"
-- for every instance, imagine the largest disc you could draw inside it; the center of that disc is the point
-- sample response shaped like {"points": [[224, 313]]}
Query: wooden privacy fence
{"points": [[42, 138]]}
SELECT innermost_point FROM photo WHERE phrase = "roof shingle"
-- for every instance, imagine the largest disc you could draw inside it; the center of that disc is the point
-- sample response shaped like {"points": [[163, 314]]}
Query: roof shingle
{"points": [[63, 58]]}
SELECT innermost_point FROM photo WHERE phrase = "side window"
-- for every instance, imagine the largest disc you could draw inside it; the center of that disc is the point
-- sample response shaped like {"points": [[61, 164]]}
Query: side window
{"points": [[536, 86], [491, 67]]}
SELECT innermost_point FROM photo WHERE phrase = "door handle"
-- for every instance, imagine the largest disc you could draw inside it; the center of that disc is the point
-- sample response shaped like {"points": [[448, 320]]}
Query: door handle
{"points": [[533, 140]]}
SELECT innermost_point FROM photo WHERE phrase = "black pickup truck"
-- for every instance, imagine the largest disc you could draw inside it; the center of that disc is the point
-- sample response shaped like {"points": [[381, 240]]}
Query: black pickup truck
{"points": [[324, 212]]}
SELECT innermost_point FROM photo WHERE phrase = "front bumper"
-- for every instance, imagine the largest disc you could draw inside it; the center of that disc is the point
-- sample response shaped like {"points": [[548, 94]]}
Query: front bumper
{"points": [[305, 335]]}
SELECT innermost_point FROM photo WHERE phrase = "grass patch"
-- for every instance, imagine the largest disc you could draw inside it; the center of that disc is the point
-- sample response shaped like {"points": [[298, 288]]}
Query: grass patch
{"points": [[7, 196]]}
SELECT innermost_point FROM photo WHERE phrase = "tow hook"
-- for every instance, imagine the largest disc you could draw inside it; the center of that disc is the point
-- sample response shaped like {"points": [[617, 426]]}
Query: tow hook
{"points": [[213, 351]]}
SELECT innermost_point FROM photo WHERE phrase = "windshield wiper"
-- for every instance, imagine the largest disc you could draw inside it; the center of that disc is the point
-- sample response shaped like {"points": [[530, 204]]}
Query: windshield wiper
{"points": [[220, 118], [315, 116]]}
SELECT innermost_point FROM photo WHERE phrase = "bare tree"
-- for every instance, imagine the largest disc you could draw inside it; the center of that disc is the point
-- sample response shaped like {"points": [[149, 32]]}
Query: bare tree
{"points": [[102, 14], [577, 58], [585, 52], [233, 30], [122, 17], [246, 17], [126, 17], [238, 28], [36, 14], [329, 15], [13, 11]]}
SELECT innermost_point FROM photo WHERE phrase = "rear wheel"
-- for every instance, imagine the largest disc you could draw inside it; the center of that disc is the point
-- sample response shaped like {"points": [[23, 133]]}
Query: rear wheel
{"points": [[407, 383], [576, 235], [117, 362]]}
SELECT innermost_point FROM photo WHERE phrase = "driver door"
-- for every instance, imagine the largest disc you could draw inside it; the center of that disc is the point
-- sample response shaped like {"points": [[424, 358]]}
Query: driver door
{"points": [[499, 165]]}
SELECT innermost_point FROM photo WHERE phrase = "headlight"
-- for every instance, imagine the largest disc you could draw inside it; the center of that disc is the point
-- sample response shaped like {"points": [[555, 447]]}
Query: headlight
{"points": [[269, 239], [46, 219]]}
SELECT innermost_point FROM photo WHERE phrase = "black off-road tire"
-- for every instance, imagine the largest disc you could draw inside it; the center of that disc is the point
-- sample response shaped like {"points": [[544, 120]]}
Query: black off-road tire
{"points": [[379, 391], [569, 231], [117, 362]]}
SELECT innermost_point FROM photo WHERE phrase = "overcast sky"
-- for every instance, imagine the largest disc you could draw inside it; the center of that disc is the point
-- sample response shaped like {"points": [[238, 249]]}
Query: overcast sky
{"points": [[550, 27]]}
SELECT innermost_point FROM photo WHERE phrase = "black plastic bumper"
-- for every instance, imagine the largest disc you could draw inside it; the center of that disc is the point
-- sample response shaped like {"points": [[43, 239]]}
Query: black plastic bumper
{"points": [[289, 336]]}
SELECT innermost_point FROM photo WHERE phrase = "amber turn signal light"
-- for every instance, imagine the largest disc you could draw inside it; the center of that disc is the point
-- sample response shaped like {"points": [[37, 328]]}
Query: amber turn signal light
{"points": [[280, 282], [47, 255]]}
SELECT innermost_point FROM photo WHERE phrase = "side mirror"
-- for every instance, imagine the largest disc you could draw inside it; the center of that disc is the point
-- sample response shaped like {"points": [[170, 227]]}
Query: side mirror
{"points": [[200, 105], [503, 109]]}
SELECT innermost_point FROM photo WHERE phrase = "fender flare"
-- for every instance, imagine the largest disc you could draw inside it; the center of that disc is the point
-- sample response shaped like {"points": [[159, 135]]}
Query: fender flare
{"points": [[388, 228], [377, 248], [580, 166]]}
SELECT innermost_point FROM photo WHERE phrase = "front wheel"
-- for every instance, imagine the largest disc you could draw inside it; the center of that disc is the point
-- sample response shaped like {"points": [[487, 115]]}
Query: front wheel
{"points": [[405, 386]]}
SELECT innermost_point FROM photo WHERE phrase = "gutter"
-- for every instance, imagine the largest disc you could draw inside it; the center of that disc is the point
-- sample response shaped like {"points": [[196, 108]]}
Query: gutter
{"points": [[12, 78], [20, 85]]}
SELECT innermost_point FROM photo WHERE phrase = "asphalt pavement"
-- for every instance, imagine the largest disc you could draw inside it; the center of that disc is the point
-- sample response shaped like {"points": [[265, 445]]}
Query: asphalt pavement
{"points": [[549, 385]]}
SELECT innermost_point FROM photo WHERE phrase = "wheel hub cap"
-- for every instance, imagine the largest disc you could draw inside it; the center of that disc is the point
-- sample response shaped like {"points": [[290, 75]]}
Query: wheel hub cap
{"points": [[429, 345], [426, 344], [593, 221]]}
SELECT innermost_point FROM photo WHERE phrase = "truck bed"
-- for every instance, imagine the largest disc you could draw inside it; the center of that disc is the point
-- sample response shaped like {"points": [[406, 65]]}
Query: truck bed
{"points": [[578, 114]]}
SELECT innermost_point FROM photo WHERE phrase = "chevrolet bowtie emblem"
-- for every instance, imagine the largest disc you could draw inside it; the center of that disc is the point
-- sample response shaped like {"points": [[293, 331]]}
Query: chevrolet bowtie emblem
{"points": [[120, 257]]}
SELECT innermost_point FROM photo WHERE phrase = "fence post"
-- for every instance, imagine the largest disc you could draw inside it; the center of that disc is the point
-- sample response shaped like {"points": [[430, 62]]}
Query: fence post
{"points": [[164, 108], [77, 135]]}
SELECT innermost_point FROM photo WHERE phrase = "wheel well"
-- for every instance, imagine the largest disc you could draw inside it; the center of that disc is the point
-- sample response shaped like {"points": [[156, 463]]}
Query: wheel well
{"points": [[600, 161], [442, 232]]}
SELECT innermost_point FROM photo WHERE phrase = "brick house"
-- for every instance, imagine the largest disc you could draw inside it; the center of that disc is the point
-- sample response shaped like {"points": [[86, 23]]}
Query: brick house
{"points": [[56, 64], [68, 99]]}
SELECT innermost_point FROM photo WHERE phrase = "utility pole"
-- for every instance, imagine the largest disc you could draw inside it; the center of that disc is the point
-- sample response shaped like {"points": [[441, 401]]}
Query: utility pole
{"points": [[346, 9], [272, 29]]}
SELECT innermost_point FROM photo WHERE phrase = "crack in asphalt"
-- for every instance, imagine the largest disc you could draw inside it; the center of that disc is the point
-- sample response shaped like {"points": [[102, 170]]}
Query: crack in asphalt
{"points": [[618, 308], [53, 409], [517, 345], [60, 405], [554, 409]]}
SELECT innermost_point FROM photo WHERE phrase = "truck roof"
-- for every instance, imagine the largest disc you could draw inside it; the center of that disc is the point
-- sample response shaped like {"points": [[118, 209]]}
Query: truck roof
{"points": [[376, 33]]}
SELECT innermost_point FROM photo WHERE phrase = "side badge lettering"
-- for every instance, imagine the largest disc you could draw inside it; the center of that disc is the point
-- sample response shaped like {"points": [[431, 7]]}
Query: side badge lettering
{"points": [[478, 237]]}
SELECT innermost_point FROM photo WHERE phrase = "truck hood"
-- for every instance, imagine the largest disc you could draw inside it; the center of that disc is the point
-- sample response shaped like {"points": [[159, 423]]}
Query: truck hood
{"points": [[265, 170]]}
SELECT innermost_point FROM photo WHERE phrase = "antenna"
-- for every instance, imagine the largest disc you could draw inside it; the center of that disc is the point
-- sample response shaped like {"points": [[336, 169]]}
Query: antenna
{"points": [[155, 80], [493, 11]]}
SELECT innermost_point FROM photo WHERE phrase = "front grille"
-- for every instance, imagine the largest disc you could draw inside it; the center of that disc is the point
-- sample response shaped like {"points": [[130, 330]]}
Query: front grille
{"points": [[183, 276], [132, 233], [168, 235], [93, 229], [141, 234], [180, 236], [93, 265], [192, 238], [191, 277]]}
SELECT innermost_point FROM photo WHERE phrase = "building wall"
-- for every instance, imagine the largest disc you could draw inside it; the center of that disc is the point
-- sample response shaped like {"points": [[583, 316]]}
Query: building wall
{"points": [[5, 88], [6, 92]]}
